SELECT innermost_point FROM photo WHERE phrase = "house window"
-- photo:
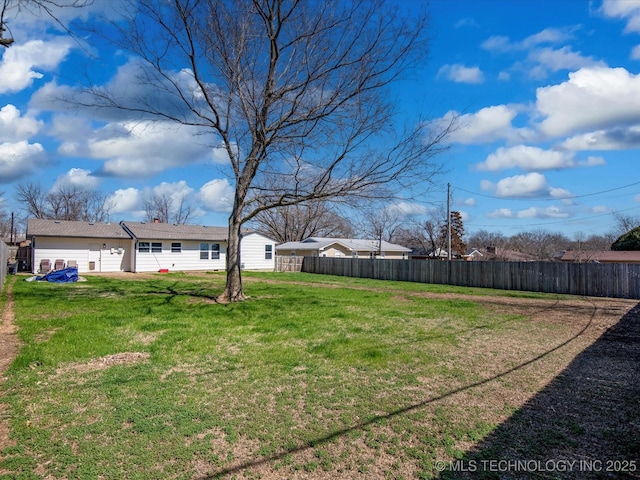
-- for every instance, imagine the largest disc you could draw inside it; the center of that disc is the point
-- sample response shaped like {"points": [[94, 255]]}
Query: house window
{"points": [[143, 247], [204, 251], [176, 247], [156, 247], [354, 254], [268, 252]]}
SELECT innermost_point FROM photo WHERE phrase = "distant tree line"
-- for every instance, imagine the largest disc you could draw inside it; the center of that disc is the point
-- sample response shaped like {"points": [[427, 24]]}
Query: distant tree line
{"points": [[322, 219]]}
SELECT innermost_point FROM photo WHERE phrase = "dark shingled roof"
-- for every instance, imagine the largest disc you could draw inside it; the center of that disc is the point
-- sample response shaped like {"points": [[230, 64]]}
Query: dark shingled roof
{"points": [[167, 231], [140, 230], [40, 227]]}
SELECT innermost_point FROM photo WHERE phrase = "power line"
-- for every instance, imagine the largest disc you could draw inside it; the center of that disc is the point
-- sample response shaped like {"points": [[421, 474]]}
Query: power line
{"points": [[556, 221], [548, 199]]}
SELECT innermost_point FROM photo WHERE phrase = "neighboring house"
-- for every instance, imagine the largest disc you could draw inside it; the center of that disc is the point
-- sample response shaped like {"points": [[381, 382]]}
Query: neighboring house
{"points": [[343, 247], [93, 247], [142, 247], [496, 254], [601, 256], [473, 254]]}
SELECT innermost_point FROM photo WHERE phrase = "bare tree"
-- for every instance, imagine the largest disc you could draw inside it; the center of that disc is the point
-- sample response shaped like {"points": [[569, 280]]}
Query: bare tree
{"points": [[624, 223], [540, 244], [294, 223], [423, 237], [485, 239], [382, 224], [5, 219], [295, 92], [64, 203], [33, 199], [166, 209], [46, 7]]}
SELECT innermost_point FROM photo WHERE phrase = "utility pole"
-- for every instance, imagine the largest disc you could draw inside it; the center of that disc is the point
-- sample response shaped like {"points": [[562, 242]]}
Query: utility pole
{"points": [[448, 221]]}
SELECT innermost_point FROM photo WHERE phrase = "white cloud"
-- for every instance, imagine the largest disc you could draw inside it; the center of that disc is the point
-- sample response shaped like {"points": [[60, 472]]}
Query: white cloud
{"points": [[526, 158], [217, 195], [559, 192], [592, 98], [140, 149], [71, 129], [530, 185], [470, 202], [501, 213], [548, 212], [176, 191], [20, 159], [407, 209], [635, 53], [466, 22], [484, 126], [461, 74], [126, 87], [13, 127], [78, 178], [617, 138], [501, 44], [625, 9], [20, 63], [593, 162], [126, 200], [549, 59]]}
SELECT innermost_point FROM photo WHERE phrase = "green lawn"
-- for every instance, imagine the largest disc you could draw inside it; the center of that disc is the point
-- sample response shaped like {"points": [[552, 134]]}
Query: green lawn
{"points": [[148, 378]]}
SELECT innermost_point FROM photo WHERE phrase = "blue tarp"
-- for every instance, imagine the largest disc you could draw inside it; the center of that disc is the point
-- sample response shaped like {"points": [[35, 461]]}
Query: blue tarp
{"points": [[65, 275]]}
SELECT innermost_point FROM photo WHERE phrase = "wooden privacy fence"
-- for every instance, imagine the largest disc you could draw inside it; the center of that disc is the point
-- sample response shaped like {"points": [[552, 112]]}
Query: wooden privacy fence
{"points": [[288, 264], [4, 258], [615, 280]]}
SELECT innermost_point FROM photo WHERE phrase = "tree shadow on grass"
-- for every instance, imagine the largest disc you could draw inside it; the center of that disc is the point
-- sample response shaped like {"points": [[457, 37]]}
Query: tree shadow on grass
{"points": [[589, 415], [584, 424]]}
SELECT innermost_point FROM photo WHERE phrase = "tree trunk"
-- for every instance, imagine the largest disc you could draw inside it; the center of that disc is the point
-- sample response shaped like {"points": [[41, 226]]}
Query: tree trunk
{"points": [[233, 290]]}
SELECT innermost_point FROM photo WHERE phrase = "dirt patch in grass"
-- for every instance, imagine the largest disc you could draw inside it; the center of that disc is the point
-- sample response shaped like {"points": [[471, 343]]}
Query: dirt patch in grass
{"points": [[9, 345], [107, 361]]}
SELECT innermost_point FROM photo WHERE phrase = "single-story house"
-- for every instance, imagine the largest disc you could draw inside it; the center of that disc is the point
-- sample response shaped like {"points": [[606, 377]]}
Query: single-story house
{"points": [[141, 247], [601, 256], [92, 247], [343, 247]]}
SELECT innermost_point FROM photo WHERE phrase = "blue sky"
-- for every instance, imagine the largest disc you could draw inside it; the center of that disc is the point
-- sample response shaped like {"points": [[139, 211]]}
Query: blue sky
{"points": [[547, 91]]}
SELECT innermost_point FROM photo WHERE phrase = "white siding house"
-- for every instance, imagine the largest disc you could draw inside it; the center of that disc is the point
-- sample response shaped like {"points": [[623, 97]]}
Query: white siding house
{"points": [[343, 247], [141, 247], [163, 246], [93, 247], [257, 252]]}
